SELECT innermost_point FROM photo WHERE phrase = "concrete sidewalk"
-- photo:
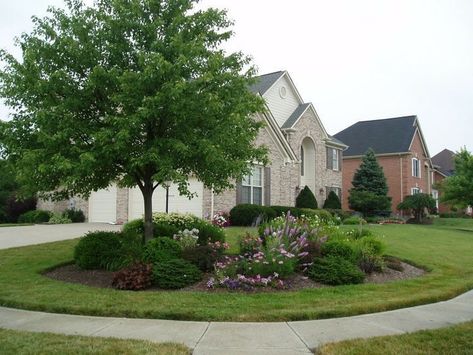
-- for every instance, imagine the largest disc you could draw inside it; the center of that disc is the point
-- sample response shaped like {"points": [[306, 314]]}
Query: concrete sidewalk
{"points": [[45, 233], [248, 338]]}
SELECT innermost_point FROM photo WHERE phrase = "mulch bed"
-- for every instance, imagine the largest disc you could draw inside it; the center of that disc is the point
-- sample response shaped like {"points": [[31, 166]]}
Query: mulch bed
{"points": [[103, 279]]}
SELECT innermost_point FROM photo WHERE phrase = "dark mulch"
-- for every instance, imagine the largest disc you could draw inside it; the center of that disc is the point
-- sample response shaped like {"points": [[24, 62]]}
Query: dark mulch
{"points": [[103, 279]]}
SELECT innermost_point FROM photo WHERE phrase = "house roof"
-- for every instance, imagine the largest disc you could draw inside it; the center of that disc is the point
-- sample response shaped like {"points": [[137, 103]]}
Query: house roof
{"points": [[264, 82], [385, 136], [298, 112], [445, 162]]}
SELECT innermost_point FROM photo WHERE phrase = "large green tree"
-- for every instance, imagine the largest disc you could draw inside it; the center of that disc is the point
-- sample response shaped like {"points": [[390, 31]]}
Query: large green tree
{"points": [[137, 92], [369, 194], [458, 189]]}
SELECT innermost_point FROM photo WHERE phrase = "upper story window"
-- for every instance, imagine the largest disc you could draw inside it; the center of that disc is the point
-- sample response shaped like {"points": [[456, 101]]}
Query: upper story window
{"points": [[252, 187], [333, 159], [416, 167]]}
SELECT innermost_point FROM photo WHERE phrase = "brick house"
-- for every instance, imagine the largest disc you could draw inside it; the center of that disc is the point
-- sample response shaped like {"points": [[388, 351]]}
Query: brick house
{"points": [[443, 164], [401, 150], [301, 153]]}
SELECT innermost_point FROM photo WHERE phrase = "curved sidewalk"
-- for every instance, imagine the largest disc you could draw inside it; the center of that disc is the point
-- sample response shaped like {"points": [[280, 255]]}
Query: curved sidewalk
{"points": [[248, 338]]}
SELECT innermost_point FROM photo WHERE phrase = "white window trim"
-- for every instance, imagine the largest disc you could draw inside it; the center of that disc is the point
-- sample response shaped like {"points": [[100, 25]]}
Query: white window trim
{"points": [[251, 186], [417, 163], [335, 159], [416, 190]]}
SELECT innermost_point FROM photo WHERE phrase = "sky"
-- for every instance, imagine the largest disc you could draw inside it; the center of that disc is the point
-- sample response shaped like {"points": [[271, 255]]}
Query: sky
{"points": [[354, 60]]}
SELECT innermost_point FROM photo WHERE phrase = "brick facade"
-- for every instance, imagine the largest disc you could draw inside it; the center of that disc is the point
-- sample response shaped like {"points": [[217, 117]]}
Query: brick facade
{"points": [[398, 171]]}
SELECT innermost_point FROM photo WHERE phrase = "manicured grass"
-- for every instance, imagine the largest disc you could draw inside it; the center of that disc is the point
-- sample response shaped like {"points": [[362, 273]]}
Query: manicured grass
{"points": [[16, 342], [455, 340], [15, 224], [446, 252], [455, 223], [232, 237]]}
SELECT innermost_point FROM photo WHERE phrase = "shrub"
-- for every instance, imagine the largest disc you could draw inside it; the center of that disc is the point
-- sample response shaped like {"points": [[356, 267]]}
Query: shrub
{"points": [[187, 239], [339, 248], [282, 210], [306, 199], [247, 215], [369, 262], [161, 249], [339, 213], [334, 270], [209, 233], [250, 244], [369, 203], [76, 216], [178, 220], [97, 250], [14, 208], [58, 218], [373, 244], [313, 250], [135, 277], [417, 204], [202, 256], [332, 201], [325, 216], [359, 233], [36, 216], [354, 220], [175, 274], [161, 229]]}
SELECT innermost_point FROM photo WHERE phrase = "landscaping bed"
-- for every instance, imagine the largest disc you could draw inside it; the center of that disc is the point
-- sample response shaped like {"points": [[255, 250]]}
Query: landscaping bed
{"points": [[103, 278]]}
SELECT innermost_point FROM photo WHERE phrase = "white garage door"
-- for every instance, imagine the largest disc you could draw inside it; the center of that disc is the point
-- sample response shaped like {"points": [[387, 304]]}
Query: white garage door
{"points": [[103, 205], [177, 203]]}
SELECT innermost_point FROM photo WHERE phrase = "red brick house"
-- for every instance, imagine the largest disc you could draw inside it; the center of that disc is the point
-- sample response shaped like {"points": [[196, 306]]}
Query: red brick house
{"points": [[444, 166], [401, 150]]}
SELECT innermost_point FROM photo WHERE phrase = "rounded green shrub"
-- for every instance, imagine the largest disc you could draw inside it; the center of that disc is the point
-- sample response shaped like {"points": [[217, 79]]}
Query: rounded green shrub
{"points": [[373, 244], [208, 233], [332, 201], [202, 256], [160, 249], [246, 214], [354, 220], [306, 199], [334, 270], [76, 216], [175, 274], [36, 216], [97, 250], [339, 248], [280, 210], [161, 229]]}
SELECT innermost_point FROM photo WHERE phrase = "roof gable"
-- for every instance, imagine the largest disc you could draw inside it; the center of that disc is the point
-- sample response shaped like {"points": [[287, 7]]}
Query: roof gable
{"points": [[264, 82], [445, 161], [385, 136]]}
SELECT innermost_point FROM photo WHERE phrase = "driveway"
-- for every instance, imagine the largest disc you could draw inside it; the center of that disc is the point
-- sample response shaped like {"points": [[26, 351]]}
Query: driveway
{"points": [[44, 233]]}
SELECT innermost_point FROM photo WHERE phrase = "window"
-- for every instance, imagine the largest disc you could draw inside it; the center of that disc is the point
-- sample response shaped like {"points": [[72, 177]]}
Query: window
{"points": [[415, 190], [416, 167], [252, 187], [302, 161], [333, 159], [435, 196]]}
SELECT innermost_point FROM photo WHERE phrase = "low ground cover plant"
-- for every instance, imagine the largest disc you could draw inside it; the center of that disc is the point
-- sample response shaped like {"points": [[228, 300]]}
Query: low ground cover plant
{"points": [[35, 216]]}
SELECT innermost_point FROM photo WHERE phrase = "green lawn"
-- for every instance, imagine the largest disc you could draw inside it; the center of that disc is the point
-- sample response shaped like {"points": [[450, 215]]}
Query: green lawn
{"points": [[445, 251], [456, 340], [455, 223], [16, 342]]}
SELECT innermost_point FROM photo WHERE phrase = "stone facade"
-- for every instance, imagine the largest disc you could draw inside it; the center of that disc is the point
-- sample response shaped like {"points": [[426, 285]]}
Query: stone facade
{"points": [[122, 205], [60, 206]]}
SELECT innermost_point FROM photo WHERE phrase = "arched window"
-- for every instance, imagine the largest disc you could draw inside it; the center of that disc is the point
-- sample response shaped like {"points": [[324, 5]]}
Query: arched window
{"points": [[302, 160]]}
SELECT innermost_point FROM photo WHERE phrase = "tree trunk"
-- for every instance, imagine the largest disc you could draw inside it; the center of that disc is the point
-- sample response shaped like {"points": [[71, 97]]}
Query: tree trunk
{"points": [[148, 219]]}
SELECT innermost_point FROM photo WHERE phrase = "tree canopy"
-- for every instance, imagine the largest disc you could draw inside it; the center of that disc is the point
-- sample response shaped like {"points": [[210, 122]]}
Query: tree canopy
{"points": [[369, 192], [129, 91], [417, 204], [458, 189]]}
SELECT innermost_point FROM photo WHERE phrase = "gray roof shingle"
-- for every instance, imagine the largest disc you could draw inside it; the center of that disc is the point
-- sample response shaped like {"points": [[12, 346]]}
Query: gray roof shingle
{"points": [[445, 160], [391, 135], [295, 116], [264, 82]]}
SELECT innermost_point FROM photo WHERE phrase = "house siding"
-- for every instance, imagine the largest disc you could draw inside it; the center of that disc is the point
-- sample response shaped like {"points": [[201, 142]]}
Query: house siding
{"points": [[282, 108]]}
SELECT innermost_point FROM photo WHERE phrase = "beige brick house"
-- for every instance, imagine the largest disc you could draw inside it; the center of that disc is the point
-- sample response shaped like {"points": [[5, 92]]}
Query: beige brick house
{"points": [[300, 152]]}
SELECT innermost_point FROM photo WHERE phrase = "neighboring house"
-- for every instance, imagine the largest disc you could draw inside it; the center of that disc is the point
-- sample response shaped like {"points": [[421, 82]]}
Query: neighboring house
{"points": [[301, 153], [400, 149], [444, 166]]}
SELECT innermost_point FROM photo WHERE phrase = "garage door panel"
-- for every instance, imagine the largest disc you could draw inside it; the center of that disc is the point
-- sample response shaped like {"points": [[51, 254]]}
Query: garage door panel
{"points": [[103, 205]]}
